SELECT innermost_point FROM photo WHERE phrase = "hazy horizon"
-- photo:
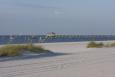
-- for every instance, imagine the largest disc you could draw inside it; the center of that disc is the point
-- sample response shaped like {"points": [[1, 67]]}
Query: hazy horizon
{"points": [[59, 16]]}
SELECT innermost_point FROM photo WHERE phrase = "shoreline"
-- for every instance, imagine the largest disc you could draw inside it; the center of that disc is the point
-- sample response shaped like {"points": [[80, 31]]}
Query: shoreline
{"points": [[61, 43]]}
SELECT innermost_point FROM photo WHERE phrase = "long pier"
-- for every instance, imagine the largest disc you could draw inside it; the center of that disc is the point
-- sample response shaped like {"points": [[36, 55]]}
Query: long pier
{"points": [[20, 39]]}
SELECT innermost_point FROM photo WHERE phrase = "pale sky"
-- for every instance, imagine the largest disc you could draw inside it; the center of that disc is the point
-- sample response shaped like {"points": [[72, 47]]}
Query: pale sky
{"points": [[60, 16]]}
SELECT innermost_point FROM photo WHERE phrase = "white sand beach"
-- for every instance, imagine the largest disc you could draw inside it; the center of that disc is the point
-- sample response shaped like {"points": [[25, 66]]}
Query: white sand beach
{"points": [[74, 60]]}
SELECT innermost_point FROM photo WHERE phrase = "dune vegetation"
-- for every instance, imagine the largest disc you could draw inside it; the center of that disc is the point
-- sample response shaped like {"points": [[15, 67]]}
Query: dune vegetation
{"points": [[112, 44], [15, 50], [93, 44]]}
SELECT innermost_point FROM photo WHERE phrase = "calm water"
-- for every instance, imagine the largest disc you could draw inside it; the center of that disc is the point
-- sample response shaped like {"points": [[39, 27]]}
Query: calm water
{"points": [[60, 38]]}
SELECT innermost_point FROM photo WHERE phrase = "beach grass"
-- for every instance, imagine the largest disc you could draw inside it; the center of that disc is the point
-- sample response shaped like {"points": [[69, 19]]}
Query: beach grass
{"points": [[15, 50], [112, 44], [93, 44]]}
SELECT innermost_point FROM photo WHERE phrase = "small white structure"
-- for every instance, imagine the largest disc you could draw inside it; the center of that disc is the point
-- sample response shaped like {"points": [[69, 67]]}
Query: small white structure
{"points": [[51, 34]]}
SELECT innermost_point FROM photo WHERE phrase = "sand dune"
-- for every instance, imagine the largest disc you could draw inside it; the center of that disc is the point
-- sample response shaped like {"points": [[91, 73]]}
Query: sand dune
{"points": [[76, 61]]}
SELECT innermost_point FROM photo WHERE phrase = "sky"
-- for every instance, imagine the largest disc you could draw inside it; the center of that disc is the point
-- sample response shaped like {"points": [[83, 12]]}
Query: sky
{"points": [[59, 16]]}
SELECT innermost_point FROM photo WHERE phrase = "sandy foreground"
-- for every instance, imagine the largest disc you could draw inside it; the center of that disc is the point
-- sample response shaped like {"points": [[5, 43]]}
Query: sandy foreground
{"points": [[75, 60]]}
